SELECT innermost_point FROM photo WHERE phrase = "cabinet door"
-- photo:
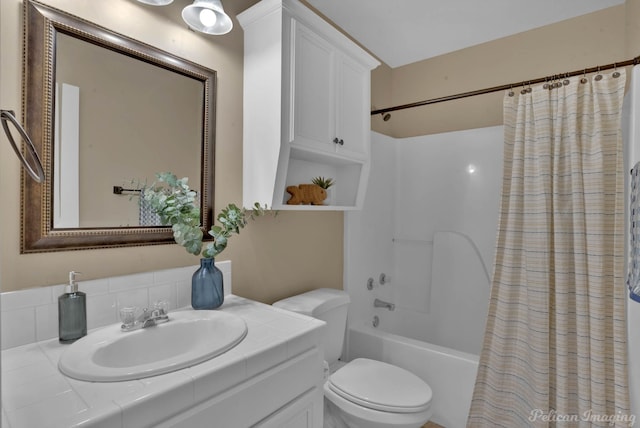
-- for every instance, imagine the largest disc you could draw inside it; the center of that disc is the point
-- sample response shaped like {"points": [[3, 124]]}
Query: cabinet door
{"points": [[305, 411], [352, 111], [312, 84]]}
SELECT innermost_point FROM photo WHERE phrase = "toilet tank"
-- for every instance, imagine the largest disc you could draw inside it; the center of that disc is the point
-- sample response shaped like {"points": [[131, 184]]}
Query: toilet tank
{"points": [[326, 304]]}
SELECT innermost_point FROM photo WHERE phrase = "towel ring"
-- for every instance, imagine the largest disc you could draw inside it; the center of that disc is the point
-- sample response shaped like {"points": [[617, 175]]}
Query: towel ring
{"points": [[38, 173]]}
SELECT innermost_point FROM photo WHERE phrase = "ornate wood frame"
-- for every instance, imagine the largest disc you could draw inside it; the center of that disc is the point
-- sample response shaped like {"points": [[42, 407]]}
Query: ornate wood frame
{"points": [[41, 24]]}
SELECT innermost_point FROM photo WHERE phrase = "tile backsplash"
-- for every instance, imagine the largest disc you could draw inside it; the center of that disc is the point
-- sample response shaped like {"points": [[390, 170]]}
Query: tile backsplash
{"points": [[31, 315]]}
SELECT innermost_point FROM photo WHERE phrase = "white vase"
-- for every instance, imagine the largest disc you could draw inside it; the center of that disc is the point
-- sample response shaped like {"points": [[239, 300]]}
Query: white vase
{"points": [[329, 200]]}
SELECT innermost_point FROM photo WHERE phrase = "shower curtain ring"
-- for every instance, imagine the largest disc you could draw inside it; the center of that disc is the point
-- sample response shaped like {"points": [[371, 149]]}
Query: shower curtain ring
{"points": [[616, 73], [524, 90], [598, 76], [584, 80], [511, 93]]}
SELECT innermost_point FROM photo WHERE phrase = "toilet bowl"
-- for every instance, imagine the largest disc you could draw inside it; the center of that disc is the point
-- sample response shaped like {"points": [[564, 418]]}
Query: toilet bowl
{"points": [[362, 393]]}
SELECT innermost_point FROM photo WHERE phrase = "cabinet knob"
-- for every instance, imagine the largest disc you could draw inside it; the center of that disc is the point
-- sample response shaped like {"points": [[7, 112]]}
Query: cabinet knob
{"points": [[338, 141]]}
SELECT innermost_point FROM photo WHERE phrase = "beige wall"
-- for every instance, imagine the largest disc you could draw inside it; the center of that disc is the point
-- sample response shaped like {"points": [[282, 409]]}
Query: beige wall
{"points": [[632, 15], [282, 255], [130, 128], [273, 258], [586, 41]]}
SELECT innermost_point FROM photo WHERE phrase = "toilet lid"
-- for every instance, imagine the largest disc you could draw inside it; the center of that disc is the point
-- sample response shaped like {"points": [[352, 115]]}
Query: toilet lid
{"points": [[381, 386]]}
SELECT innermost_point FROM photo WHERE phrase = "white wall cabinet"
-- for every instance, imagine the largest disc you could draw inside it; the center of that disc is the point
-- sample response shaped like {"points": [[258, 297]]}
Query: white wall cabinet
{"points": [[328, 97], [306, 107]]}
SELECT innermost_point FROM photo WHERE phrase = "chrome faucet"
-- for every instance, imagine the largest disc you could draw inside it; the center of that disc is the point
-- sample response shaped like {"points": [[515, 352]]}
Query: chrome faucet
{"points": [[382, 304], [148, 318]]}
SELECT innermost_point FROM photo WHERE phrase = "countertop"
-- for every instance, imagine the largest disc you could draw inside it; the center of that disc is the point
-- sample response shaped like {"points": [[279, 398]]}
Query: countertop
{"points": [[36, 394]]}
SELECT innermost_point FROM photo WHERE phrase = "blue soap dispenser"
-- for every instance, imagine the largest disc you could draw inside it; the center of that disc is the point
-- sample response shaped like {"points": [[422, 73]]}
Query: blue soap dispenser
{"points": [[72, 312]]}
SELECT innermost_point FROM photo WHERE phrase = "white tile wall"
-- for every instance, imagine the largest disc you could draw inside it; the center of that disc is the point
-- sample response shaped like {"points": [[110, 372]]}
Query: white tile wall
{"points": [[31, 315]]}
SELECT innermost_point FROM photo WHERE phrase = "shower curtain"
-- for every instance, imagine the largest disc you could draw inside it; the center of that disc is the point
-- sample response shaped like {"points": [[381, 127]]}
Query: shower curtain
{"points": [[554, 352]]}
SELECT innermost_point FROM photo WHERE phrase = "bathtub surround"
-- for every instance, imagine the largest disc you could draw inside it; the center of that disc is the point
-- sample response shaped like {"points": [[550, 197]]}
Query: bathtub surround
{"points": [[557, 318], [451, 182], [426, 192]]}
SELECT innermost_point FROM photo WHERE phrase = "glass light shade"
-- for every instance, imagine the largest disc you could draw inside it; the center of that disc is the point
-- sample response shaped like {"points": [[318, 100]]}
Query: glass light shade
{"points": [[207, 16], [156, 2]]}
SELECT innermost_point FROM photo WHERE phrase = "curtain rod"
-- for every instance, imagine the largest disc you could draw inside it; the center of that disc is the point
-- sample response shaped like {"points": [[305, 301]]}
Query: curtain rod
{"points": [[634, 61]]}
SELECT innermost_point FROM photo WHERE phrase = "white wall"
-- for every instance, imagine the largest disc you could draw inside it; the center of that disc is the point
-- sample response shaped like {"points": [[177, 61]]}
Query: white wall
{"points": [[368, 232], [447, 197], [417, 186]]}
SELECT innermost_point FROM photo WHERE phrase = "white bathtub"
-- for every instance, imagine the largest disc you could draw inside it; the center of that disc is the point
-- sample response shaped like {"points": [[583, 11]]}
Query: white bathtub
{"points": [[450, 373]]}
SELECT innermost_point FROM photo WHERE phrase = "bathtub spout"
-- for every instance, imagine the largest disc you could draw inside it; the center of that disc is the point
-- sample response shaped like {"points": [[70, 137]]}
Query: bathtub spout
{"points": [[381, 304]]}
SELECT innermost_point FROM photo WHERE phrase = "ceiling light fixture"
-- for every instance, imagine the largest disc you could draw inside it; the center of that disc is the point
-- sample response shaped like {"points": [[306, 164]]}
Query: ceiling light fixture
{"points": [[207, 16]]}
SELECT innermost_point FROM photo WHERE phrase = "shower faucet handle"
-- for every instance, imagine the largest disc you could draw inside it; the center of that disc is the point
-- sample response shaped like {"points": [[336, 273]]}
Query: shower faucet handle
{"points": [[382, 280]]}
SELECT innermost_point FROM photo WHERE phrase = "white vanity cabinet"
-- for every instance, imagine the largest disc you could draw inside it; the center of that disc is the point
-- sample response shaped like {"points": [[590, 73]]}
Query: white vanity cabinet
{"points": [[306, 107], [273, 378]]}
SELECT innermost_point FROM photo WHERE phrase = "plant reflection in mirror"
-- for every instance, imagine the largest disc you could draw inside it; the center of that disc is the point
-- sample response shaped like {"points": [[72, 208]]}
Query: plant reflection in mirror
{"points": [[177, 205]]}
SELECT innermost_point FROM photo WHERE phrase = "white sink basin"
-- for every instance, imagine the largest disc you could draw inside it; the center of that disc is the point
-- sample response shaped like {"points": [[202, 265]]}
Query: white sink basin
{"points": [[188, 338]]}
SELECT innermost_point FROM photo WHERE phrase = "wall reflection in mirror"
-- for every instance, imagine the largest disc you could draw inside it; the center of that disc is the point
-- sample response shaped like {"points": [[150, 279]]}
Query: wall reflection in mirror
{"points": [[118, 119], [106, 110]]}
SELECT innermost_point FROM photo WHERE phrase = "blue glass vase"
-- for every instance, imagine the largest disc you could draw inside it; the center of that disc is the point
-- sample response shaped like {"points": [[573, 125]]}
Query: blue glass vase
{"points": [[207, 289]]}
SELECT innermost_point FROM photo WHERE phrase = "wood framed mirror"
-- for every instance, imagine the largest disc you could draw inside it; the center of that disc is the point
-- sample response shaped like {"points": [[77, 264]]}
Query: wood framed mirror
{"points": [[106, 112]]}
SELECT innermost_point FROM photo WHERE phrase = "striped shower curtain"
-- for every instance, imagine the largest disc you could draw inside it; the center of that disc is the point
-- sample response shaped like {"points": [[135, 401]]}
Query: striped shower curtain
{"points": [[555, 352]]}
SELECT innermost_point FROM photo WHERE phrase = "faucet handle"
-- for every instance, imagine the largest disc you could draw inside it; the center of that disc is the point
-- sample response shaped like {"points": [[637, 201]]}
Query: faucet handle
{"points": [[162, 306], [128, 316]]}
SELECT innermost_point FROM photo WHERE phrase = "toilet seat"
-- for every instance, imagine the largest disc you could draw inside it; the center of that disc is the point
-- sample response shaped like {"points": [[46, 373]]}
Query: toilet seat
{"points": [[380, 386]]}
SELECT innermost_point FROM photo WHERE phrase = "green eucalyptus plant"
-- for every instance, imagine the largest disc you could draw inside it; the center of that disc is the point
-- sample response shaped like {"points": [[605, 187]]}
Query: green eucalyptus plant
{"points": [[177, 205]]}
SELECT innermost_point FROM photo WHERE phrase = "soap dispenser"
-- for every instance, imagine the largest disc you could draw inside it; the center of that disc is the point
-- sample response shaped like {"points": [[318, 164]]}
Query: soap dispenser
{"points": [[72, 312]]}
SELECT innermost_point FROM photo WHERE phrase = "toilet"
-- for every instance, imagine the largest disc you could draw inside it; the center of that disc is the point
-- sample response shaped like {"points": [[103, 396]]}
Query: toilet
{"points": [[363, 393]]}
